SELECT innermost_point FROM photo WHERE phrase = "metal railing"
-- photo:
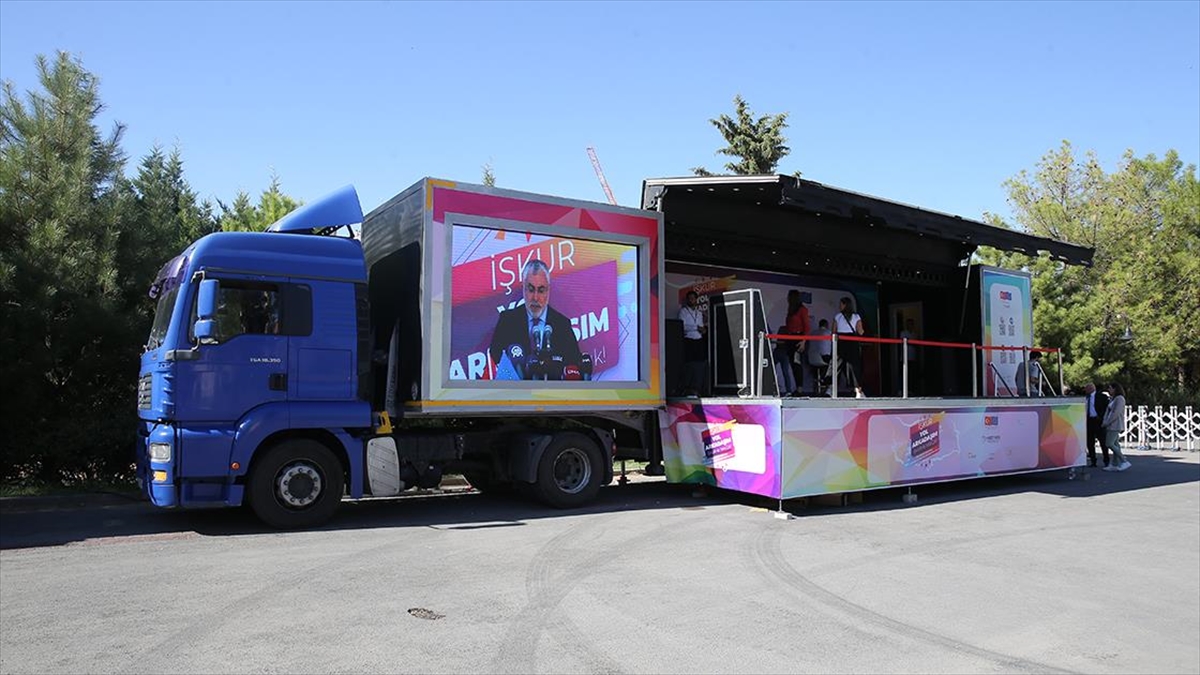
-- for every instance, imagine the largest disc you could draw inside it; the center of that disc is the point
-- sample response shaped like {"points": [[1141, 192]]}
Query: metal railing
{"points": [[1169, 428], [905, 343]]}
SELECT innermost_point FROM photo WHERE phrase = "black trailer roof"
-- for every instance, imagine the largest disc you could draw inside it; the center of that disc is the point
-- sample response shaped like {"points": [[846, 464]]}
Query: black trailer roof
{"points": [[790, 224]]}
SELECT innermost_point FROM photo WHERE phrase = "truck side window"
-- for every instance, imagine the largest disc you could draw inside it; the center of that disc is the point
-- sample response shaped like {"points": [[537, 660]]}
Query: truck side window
{"points": [[248, 311], [257, 308]]}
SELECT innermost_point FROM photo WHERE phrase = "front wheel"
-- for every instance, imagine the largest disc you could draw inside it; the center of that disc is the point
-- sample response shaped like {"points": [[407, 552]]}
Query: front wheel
{"points": [[570, 471], [297, 484]]}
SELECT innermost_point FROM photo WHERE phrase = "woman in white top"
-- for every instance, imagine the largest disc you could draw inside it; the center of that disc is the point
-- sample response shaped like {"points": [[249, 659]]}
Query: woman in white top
{"points": [[1114, 424], [847, 322]]}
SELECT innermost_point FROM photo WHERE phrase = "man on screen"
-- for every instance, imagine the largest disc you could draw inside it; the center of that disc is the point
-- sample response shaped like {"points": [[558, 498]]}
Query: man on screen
{"points": [[534, 341]]}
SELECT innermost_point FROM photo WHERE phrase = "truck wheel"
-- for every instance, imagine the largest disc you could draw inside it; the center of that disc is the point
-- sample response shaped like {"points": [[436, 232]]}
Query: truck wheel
{"points": [[298, 483], [569, 472]]}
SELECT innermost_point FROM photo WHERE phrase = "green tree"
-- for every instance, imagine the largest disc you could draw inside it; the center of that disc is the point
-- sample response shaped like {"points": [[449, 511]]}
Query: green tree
{"points": [[167, 206], [759, 144], [245, 216], [168, 217], [69, 354], [1144, 221], [489, 176]]}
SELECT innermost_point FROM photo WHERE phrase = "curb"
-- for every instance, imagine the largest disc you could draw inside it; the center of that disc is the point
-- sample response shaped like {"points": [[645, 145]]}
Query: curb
{"points": [[66, 502]]}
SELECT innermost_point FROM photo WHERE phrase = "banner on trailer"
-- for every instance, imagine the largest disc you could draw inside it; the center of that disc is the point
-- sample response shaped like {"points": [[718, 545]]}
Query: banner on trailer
{"points": [[1007, 312], [528, 306], [734, 446], [830, 450]]}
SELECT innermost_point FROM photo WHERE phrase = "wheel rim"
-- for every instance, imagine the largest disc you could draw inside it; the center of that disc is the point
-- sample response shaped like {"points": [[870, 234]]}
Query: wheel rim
{"points": [[572, 470], [298, 485]]}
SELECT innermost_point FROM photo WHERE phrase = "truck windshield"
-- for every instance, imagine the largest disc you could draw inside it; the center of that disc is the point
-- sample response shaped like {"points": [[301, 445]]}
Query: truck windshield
{"points": [[162, 318], [166, 290]]}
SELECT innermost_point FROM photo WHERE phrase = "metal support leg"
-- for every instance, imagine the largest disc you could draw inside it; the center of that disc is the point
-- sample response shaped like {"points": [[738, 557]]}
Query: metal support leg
{"points": [[837, 367], [974, 373]]}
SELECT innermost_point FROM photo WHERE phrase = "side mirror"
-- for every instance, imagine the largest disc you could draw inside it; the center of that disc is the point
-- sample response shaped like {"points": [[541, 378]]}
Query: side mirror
{"points": [[206, 303], [206, 331], [206, 312]]}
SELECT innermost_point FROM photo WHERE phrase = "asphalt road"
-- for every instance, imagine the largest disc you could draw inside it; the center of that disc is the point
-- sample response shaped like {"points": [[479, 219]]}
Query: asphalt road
{"points": [[1025, 574]]}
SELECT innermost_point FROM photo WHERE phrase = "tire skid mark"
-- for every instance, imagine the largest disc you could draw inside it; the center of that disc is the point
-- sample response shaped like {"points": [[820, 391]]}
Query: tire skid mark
{"points": [[752, 560], [152, 659], [772, 563], [555, 572], [924, 545]]}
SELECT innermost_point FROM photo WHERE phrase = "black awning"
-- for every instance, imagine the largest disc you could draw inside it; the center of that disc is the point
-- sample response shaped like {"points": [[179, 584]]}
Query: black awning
{"points": [[780, 209]]}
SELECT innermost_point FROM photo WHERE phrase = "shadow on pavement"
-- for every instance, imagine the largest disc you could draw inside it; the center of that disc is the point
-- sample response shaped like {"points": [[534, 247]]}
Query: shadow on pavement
{"points": [[84, 521], [92, 520]]}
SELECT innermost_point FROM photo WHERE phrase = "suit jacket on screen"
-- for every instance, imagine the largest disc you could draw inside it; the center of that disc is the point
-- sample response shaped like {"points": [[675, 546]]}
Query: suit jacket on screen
{"points": [[512, 328]]}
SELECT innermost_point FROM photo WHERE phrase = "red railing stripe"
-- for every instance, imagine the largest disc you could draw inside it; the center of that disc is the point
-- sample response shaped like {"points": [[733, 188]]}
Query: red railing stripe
{"points": [[915, 343]]}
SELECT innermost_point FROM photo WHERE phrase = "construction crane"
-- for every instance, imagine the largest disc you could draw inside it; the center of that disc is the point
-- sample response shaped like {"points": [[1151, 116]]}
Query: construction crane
{"points": [[600, 174]]}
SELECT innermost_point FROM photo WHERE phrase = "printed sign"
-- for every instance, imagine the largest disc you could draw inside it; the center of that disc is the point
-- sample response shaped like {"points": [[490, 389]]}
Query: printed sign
{"points": [[1007, 322]]}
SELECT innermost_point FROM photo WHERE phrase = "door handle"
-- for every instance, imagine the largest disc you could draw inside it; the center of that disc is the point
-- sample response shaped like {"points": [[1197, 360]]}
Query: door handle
{"points": [[277, 381]]}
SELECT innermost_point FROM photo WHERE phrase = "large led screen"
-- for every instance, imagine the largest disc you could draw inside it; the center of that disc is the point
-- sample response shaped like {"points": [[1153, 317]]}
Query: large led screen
{"points": [[539, 307]]}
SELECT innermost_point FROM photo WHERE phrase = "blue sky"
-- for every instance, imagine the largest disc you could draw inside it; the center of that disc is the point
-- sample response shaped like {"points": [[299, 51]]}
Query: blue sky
{"points": [[933, 104]]}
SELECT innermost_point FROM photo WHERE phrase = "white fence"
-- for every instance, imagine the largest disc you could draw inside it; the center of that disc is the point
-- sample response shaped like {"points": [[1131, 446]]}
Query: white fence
{"points": [[1171, 428]]}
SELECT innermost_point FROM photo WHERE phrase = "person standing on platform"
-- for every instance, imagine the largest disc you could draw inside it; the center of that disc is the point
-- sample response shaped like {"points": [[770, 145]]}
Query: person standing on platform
{"points": [[1097, 405], [797, 324], [695, 345], [1114, 424], [847, 322], [784, 349], [1035, 375]]}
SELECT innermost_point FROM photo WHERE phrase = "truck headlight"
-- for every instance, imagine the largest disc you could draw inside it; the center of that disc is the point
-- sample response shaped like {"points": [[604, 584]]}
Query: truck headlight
{"points": [[160, 452]]}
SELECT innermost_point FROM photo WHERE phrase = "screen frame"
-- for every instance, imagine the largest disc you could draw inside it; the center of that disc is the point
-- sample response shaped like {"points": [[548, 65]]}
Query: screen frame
{"points": [[642, 244]]}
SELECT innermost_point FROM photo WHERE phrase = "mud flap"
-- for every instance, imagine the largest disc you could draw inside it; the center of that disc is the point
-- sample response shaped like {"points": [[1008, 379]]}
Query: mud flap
{"points": [[383, 467]]}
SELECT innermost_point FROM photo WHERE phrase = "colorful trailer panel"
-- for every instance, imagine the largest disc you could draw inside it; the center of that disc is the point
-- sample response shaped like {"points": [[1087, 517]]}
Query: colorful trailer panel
{"points": [[787, 449]]}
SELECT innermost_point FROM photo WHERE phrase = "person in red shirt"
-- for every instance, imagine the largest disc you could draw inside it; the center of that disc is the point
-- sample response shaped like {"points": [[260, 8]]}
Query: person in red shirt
{"points": [[797, 324]]}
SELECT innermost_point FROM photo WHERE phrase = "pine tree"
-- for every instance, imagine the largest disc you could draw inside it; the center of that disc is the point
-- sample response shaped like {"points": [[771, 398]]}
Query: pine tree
{"points": [[69, 354], [759, 144]]}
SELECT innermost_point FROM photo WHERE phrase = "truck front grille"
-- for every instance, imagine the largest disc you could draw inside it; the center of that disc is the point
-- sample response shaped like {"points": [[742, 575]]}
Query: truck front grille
{"points": [[144, 392]]}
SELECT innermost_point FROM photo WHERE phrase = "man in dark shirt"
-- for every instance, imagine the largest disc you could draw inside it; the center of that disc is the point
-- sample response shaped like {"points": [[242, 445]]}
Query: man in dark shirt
{"points": [[1096, 404], [535, 331]]}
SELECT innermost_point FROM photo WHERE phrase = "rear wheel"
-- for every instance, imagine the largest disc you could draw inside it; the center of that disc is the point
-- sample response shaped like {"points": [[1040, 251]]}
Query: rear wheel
{"points": [[296, 484], [570, 471]]}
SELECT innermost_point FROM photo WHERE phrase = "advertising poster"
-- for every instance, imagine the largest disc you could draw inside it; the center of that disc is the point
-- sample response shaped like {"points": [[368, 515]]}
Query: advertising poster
{"points": [[528, 306], [735, 447], [1007, 313], [829, 450]]}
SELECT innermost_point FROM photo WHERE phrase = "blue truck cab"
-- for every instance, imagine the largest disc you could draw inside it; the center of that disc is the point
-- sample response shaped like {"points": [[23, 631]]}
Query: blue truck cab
{"points": [[258, 356]]}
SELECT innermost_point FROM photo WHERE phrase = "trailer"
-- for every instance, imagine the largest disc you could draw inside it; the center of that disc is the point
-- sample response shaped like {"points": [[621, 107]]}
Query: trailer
{"points": [[939, 362]]}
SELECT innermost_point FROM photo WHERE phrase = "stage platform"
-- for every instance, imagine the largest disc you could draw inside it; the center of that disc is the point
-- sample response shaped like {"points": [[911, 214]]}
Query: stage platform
{"points": [[801, 447]]}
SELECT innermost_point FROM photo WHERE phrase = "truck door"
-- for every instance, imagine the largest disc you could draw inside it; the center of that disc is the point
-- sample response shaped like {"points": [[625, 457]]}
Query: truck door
{"points": [[248, 366], [322, 348]]}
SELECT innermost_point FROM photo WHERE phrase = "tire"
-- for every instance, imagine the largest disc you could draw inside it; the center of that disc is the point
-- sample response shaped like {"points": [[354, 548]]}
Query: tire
{"points": [[296, 484], [570, 471]]}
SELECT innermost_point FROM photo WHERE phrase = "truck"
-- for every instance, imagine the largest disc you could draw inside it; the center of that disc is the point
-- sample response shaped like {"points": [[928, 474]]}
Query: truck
{"points": [[526, 341], [325, 359]]}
